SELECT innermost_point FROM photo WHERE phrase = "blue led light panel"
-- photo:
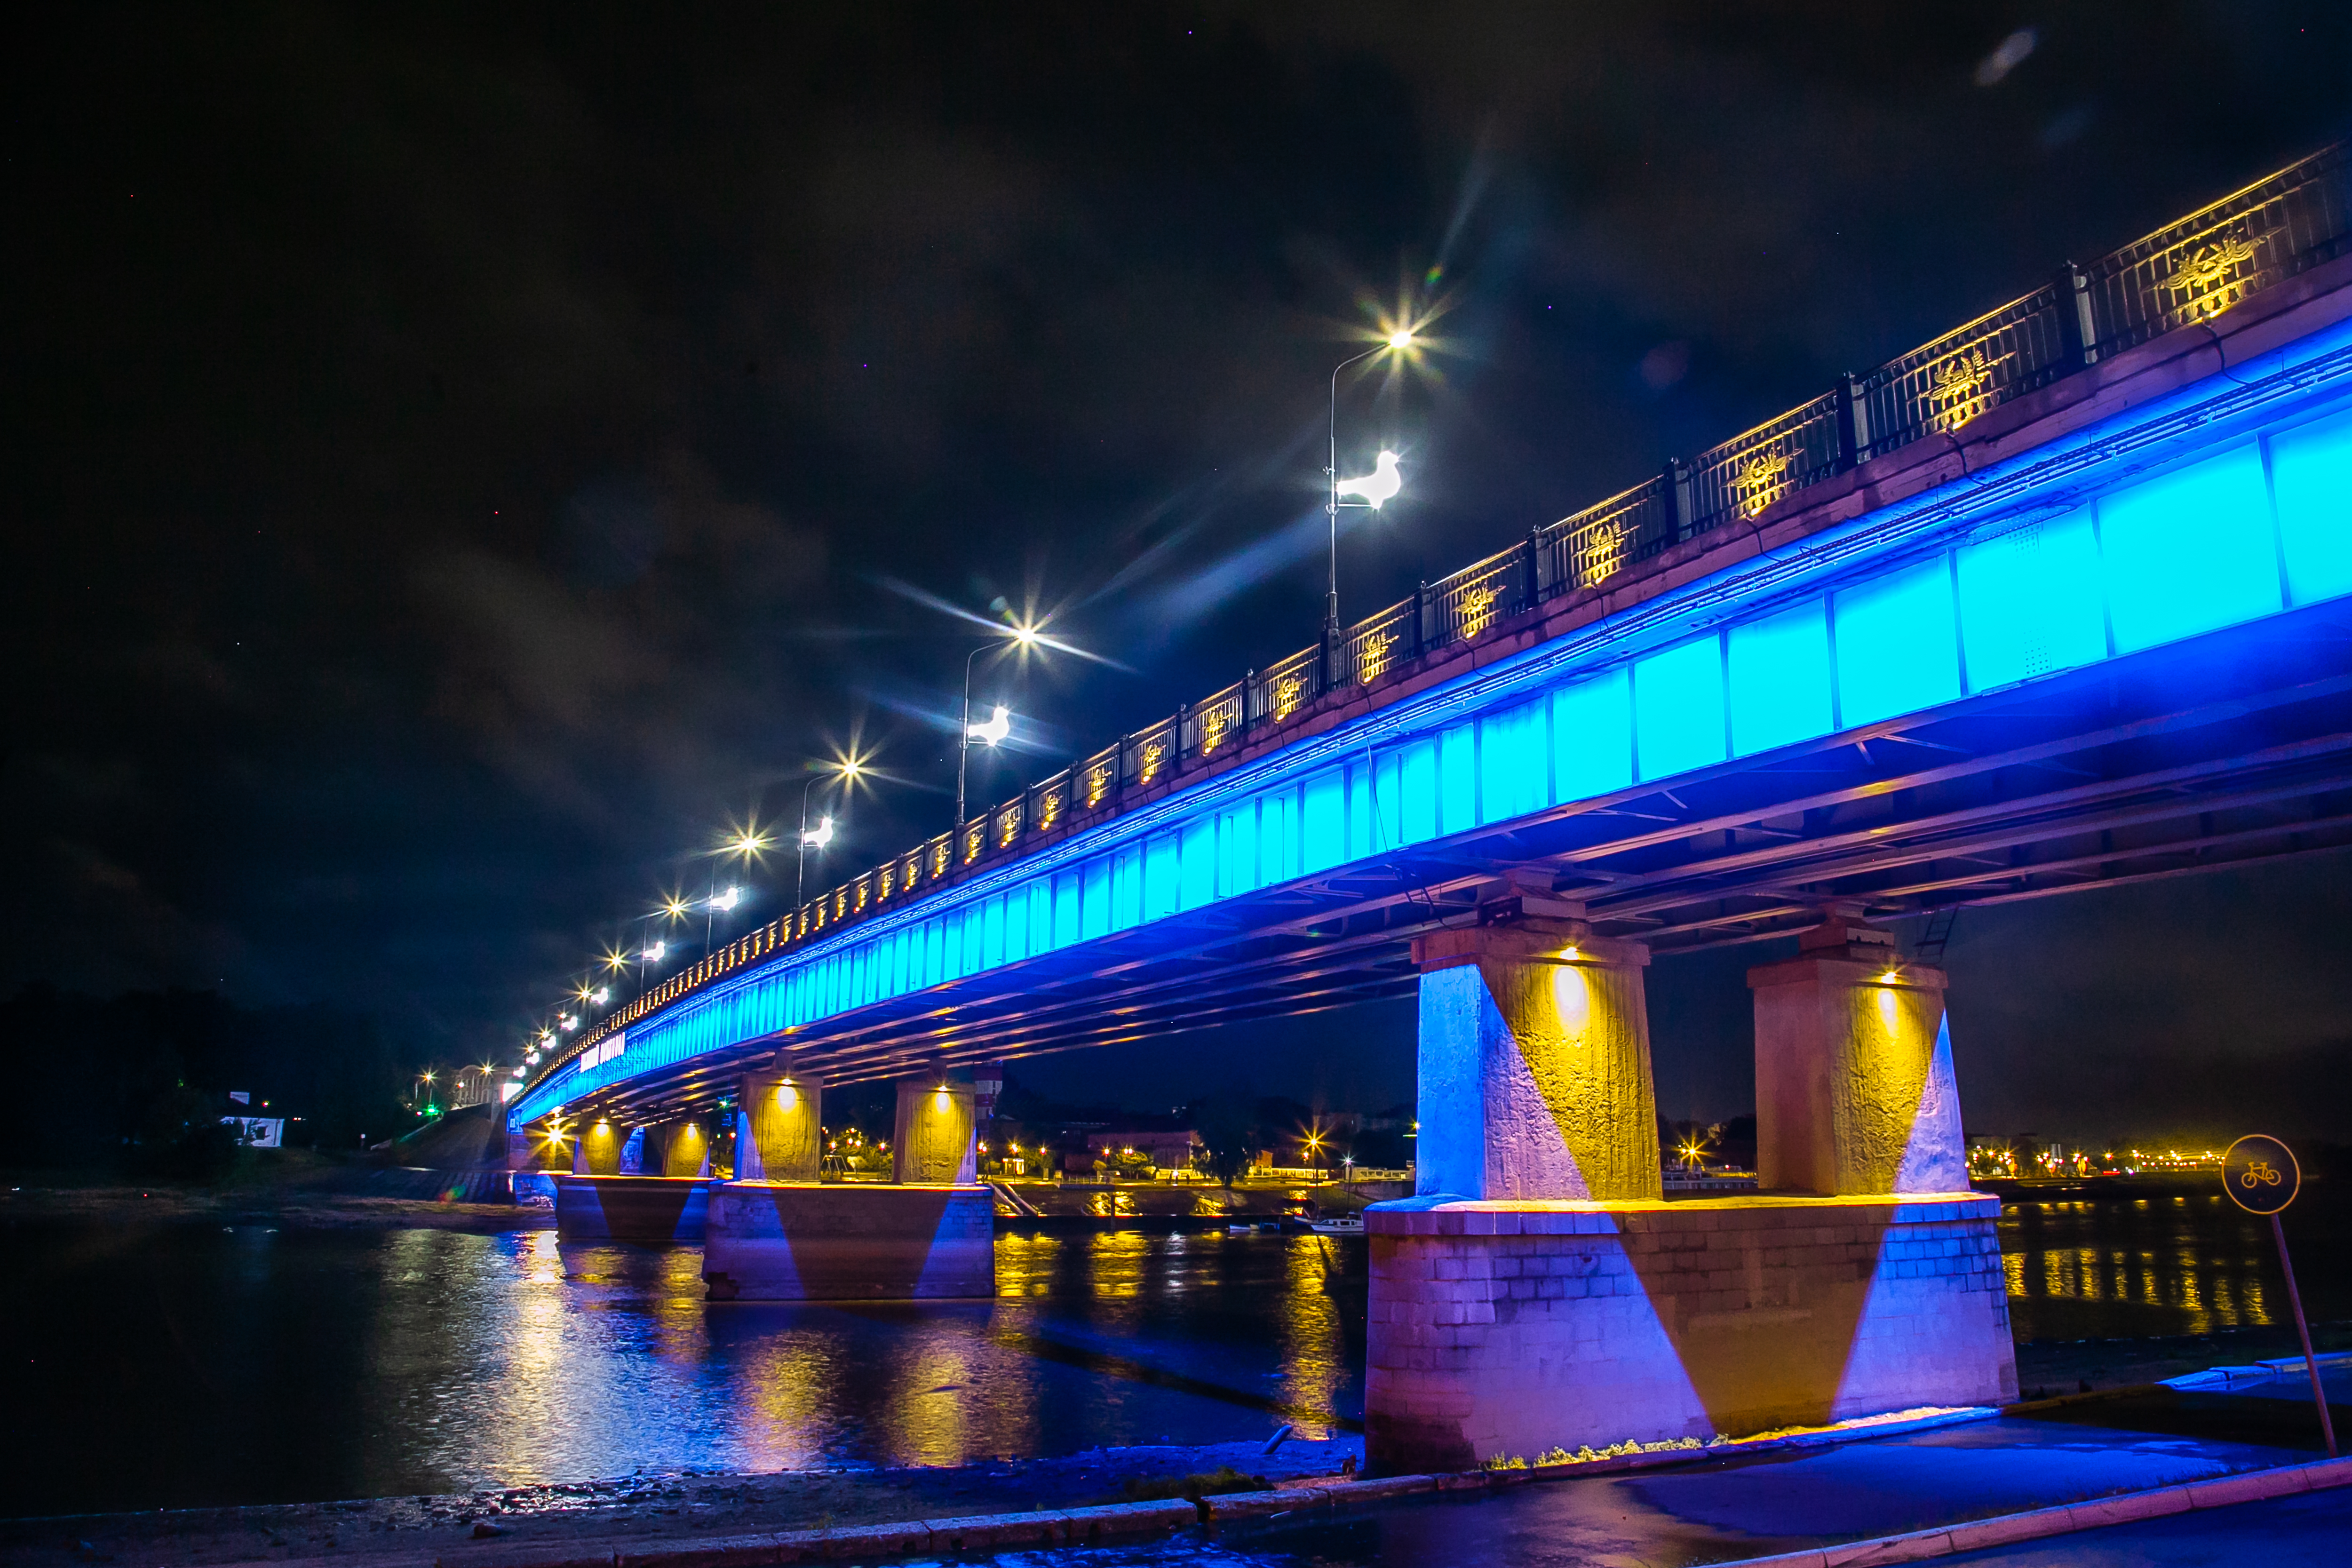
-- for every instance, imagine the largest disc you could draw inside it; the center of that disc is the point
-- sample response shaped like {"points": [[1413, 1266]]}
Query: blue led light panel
{"points": [[1678, 709], [1896, 647], [2311, 479], [1781, 679], [2188, 550], [2031, 601]]}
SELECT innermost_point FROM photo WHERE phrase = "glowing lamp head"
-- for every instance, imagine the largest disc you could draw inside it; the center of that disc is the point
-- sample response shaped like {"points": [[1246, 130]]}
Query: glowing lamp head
{"points": [[1026, 636], [1888, 978], [601, 995], [819, 836], [727, 900], [999, 725], [654, 951], [1378, 487], [1401, 338]]}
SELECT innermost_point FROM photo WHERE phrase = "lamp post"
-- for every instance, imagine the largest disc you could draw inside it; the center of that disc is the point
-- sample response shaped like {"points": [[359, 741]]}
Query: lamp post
{"points": [[999, 723], [1375, 489], [841, 772]]}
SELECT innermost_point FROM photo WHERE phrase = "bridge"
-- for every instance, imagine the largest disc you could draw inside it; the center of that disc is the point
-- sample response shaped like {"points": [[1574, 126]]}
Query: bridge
{"points": [[2057, 600]]}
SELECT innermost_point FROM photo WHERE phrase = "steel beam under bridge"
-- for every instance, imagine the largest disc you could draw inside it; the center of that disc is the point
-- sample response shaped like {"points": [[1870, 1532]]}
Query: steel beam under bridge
{"points": [[2125, 653]]}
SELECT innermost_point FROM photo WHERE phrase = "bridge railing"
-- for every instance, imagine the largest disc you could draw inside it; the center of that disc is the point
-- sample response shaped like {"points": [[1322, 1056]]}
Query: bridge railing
{"points": [[1464, 606], [1286, 687], [1216, 723], [2195, 269], [2190, 271]]}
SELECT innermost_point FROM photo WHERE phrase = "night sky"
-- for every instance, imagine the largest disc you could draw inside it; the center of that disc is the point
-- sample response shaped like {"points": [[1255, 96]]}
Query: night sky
{"points": [[462, 459]]}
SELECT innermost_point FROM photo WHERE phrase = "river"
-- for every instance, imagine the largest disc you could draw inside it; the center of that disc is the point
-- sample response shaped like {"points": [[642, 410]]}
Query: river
{"points": [[169, 1365]]}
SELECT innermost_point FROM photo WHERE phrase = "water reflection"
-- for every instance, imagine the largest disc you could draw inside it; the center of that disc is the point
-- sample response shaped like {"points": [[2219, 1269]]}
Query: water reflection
{"points": [[2173, 1265], [323, 1364]]}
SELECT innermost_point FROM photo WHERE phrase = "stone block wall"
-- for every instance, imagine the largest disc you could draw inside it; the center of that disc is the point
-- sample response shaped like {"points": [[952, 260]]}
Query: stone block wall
{"points": [[1503, 1328]]}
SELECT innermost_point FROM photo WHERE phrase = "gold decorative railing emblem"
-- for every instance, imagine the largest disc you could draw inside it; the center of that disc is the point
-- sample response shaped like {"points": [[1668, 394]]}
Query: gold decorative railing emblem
{"points": [[974, 841], [2208, 279], [1049, 807], [939, 860], [1478, 609], [1097, 783], [1373, 655], [859, 902], [1153, 751], [1287, 690], [882, 880], [1760, 482], [1961, 388], [1213, 725], [1604, 549], [1008, 828]]}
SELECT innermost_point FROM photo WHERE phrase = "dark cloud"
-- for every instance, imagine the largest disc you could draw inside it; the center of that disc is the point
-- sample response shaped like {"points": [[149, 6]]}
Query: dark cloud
{"points": [[453, 451]]}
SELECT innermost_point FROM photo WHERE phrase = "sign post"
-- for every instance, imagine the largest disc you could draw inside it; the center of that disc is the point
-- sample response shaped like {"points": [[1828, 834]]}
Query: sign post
{"points": [[2262, 1177]]}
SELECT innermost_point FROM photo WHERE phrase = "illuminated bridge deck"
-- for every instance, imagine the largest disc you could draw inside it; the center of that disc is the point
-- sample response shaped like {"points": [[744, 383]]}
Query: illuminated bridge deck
{"points": [[2087, 627]]}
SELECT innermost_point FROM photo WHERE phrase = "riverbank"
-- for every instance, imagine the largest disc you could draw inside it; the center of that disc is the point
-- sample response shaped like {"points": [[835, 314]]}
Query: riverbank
{"points": [[646, 1508]]}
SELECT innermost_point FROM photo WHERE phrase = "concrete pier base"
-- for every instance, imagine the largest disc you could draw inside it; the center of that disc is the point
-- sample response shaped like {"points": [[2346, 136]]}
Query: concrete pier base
{"points": [[651, 1210], [780, 1241], [1514, 1328]]}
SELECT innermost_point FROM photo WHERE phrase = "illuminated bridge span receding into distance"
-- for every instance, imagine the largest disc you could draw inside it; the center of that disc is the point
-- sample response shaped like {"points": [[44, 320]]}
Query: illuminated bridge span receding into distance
{"points": [[2056, 601]]}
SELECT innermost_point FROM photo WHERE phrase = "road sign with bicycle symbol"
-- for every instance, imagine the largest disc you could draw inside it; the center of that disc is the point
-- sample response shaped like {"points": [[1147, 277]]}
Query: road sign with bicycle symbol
{"points": [[2260, 1174]]}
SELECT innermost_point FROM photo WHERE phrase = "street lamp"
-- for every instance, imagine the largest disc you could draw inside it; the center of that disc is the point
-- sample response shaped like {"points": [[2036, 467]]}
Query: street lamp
{"points": [[1000, 721], [1380, 485], [843, 772]]}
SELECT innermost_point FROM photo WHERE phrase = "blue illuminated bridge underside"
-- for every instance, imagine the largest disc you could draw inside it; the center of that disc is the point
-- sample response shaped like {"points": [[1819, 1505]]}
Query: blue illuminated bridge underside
{"points": [[2123, 654]]}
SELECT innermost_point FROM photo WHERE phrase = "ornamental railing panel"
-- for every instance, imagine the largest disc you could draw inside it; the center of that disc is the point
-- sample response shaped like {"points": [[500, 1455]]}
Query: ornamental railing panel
{"points": [[1741, 478], [1373, 647], [1095, 780], [1585, 548], [1216, 723], [1149, 755], [1005, 822], [1286, 686], [1464, 605], [1049, 803], [1939, 387], [2195, 269]]}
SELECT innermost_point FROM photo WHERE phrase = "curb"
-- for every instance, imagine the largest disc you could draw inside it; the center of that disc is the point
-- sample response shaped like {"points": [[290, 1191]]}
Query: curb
{"points": [[2006, 1529]]}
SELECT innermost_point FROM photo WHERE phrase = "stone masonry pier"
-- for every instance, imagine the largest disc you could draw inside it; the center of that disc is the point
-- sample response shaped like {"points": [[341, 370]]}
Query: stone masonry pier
{"points": [[1512, 1328]]}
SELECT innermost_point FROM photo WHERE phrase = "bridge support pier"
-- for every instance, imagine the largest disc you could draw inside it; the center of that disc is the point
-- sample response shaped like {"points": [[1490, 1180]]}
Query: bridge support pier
{"points": [[1854, 1091], [1537, 1292], [680, 1148], [1535, 1065], [603, 1149], [930, 1235], [932, 1141], [779, 1132]]}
